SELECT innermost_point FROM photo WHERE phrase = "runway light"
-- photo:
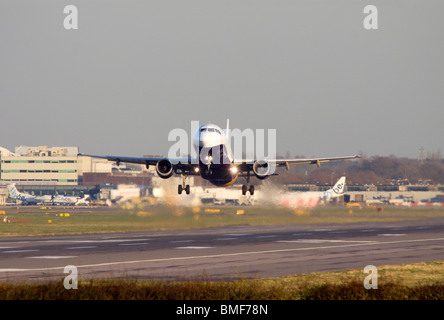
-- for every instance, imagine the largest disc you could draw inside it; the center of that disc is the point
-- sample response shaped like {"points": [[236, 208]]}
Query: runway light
{"points": [[212, 210]]}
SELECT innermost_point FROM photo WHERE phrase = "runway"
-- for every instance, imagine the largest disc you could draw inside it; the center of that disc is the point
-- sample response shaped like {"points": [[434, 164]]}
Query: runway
{"points": [[223, 253]]}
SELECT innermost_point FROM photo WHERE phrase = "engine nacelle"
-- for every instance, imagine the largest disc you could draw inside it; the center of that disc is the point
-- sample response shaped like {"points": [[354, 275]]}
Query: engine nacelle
{"points": [[261, 169], [164, 168]]}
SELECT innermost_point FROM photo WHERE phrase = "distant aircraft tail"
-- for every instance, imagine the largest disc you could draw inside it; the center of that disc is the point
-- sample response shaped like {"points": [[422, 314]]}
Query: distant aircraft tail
{"points": [[339, 186], [13, 192], [336, 191]]}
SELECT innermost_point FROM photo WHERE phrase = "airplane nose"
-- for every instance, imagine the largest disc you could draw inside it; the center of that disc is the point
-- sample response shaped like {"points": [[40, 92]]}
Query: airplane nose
{"points": [[210, 139]]}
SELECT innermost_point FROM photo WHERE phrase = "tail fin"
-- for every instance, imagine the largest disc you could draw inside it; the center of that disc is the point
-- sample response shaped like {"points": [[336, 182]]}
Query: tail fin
{"points": [[13, 193], [227, 133], [336, 191], [228, 142], [339, 187]]}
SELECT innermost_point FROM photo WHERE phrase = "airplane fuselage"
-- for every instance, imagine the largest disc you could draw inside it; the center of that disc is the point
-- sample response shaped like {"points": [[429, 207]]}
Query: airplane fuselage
{"points": [[219, 175], [215, 156]]}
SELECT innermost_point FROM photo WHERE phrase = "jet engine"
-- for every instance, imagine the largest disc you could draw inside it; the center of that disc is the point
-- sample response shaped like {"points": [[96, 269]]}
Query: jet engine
{"points": [[261, 169], [164, 168]]}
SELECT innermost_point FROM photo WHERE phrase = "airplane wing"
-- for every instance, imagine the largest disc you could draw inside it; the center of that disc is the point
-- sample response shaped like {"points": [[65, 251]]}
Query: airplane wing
{"points": [[316, 161], [188, 165], [118, 159], [248, 165], [185, 165]]}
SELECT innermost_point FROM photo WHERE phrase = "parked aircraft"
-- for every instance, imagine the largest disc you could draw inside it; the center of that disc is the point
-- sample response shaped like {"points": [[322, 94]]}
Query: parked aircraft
{"points": [[28, 199], [310, 199], [25, 198], [68, 200]]}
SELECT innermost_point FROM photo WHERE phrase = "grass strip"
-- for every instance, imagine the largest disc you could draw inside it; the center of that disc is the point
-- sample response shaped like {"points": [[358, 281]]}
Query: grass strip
{"points": [[417, 281], [36, 222]]}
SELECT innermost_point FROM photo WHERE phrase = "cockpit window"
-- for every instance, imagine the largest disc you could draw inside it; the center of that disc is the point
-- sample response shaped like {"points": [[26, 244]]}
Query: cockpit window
{"points": [[210, 130]]}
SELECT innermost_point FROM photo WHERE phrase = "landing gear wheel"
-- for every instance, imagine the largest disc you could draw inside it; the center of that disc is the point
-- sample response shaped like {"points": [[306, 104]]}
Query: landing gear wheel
{"points": [[183, 186], [251, 190], [244, 189]]}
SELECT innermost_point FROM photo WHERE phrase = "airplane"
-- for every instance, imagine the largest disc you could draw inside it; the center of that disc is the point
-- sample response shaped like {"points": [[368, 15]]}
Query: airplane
{"points": [[311, 198], [28, 199], [216, 162], [25, 198], [86, 200], [68, 200]]}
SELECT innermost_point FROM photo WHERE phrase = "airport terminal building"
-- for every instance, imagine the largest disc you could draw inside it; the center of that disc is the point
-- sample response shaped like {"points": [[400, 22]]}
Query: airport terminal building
{"points": [[47, 166], [46, 170]]}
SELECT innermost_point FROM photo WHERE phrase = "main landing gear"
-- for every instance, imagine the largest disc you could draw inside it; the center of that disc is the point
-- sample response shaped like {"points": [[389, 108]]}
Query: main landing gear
{"points": [[183, 186], [247, 187]]}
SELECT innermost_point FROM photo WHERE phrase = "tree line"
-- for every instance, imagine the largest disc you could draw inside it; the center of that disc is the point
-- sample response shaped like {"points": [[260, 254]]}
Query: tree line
{"points": [[375, 170]]}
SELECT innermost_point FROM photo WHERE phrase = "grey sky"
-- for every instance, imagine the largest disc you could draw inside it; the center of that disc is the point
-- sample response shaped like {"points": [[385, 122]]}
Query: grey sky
{"points": [[134, 70]]}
